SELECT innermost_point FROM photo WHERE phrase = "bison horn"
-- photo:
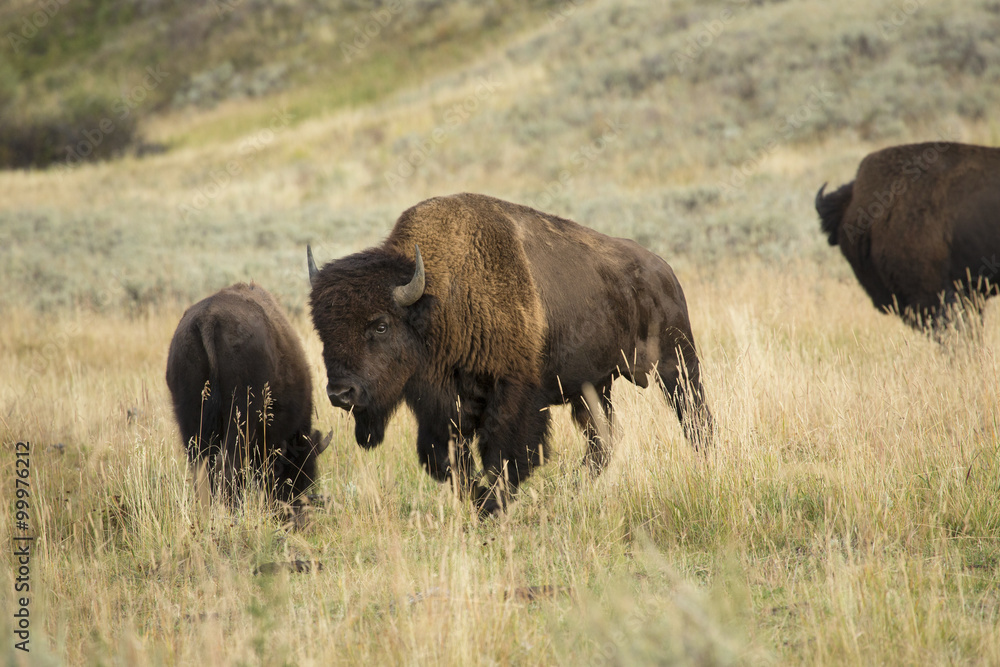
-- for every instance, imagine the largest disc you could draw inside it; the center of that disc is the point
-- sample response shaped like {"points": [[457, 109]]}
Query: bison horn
{"points": [[324, 443], [819, 196], [313, 271], [407, 295]]}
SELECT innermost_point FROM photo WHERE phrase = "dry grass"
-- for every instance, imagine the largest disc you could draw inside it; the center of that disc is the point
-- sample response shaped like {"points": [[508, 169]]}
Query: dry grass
{"points": [[846, 515]]}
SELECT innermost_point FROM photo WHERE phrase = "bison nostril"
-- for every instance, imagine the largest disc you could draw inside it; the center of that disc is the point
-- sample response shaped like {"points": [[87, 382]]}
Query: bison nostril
{"points": [[342, 393]]}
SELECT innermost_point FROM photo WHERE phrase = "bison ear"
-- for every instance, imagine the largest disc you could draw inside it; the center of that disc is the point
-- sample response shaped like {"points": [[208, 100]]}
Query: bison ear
{"points": [[313, 271], [407, 295]]}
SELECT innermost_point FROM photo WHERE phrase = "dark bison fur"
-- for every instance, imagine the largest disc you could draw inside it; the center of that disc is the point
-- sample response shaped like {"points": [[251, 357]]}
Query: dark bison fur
{"points": [[242, 394], [920, 227], [504, 311]]}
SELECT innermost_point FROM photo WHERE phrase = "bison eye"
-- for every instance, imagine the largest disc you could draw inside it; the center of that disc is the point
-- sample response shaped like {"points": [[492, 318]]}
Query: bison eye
{"points": [[381, 328]]}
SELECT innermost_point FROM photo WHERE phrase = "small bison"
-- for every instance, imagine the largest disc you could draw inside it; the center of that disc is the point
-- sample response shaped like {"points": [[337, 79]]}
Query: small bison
{"points": [[242, 394], [480, 314], [920, 227]]}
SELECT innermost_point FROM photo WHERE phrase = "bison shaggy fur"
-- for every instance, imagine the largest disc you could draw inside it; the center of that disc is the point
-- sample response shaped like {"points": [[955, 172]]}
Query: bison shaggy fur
{"points": [[242, 394], [920, 227], [479, 314]]}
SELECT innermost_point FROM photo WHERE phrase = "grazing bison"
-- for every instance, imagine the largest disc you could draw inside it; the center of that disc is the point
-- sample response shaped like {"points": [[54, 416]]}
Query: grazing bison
{"points": [[480, 314], [920, 226], [243, 395]]}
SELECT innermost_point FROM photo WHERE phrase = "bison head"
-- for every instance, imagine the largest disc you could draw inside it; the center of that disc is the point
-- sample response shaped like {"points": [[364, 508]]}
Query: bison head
{"points": [[295, 464], [369, 310]]}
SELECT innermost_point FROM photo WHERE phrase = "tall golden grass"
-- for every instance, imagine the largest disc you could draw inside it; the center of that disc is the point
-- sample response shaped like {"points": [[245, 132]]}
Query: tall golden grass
{"points": [[845, 514]]}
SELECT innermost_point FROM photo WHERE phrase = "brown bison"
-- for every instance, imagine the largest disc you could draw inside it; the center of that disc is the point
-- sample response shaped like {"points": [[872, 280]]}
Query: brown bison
{"points": [[480, 314], [920, 227], [242, 394]]}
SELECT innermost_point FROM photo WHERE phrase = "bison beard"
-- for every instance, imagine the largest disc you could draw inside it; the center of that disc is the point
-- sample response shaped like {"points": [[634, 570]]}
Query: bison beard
{"points": [[515, 311], [370, 425]]}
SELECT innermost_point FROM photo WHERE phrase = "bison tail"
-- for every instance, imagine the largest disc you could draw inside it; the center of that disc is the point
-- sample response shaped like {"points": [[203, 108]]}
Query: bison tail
{"points": [[210, 432], [831, 209]]}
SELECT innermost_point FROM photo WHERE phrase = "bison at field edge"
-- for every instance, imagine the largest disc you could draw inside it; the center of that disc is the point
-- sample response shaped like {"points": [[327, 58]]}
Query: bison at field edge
{"points": [[480, 314], [920, 227], [242, 394]]}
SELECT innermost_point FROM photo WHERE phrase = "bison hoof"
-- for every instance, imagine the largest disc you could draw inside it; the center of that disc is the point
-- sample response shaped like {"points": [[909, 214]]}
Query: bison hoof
{"points": [[487, 503], [490, 508]]}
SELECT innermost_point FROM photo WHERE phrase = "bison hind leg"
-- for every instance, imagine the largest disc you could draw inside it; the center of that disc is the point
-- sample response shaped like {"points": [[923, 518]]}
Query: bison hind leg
{"points": [[592, 412], [291, 469], [239, 465], [200, 472]]}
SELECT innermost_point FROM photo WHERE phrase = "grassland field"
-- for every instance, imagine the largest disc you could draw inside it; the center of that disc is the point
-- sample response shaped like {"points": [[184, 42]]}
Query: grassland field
{"points": [[847, 512]]}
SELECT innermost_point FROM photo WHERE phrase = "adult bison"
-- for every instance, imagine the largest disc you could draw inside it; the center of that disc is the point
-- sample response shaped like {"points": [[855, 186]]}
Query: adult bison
{"points": [[480, 314], [920, 226], [242, 394]]}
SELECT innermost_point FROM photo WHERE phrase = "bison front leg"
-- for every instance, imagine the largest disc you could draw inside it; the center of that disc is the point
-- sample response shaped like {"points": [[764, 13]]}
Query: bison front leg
{"points": [[694, 415], [681, 384], [445, 455], [511, 434]]}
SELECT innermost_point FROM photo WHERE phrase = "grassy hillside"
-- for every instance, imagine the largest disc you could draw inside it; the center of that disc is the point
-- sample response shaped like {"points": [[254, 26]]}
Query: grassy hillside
{"points": [[846, 514], [67, 66], [599, 111]]}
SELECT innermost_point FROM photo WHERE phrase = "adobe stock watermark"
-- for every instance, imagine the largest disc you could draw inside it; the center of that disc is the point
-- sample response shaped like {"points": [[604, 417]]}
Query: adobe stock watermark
{"points": [[22, 544], [120, 110], [248, 150], [819, 97], [563, 12], [32, 24], [911, 171], [223, 7], [701, 39], [362, 34], [901, 15], [989, 269], [579, 161], [455, 116]]}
